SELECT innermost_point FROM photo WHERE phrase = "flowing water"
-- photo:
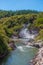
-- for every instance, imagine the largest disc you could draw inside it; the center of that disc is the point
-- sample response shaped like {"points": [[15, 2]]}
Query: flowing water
{"points": [[23, 53], [21, 56], [26, 34]]}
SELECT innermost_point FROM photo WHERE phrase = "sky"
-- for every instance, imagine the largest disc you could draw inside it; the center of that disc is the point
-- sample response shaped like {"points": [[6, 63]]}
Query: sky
{"points": [[21, 5]]}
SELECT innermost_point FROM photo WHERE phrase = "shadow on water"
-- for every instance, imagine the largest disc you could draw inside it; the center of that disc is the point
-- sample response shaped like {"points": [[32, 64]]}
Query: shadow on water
{"points": [[4, 59]]}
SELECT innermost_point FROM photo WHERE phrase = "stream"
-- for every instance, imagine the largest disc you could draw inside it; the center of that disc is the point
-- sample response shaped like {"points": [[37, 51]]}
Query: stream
{"points": [[23, 53], [21, 56]]}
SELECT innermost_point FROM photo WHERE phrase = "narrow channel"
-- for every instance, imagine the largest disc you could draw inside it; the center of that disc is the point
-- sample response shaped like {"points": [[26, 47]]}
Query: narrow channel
{"points": [[23, 54]]}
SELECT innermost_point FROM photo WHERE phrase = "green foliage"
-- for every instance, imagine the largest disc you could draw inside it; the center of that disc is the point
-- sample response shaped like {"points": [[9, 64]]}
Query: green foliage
{"points": [[11, 22], [4, 13], [40, 35], [3, 45], [40, 15], [38, 23]]}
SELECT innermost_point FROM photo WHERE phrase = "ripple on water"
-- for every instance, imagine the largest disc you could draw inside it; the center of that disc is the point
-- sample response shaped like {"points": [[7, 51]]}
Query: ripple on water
{"points": [[21, 56]]}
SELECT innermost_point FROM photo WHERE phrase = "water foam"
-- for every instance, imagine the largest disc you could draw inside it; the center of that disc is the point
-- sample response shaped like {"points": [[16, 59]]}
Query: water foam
{"points": [[26, 34], [20, 48]]}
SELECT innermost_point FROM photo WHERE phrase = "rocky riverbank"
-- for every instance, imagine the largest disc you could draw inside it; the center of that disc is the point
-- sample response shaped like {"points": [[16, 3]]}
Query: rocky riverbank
{"points": [[4, 54], [12, 46], [38, 60], [38, 44]]}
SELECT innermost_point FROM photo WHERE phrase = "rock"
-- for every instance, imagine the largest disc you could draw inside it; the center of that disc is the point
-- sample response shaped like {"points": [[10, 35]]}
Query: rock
{"points": [[36, 45], [4, 54], [12, 45], [38, 60]]}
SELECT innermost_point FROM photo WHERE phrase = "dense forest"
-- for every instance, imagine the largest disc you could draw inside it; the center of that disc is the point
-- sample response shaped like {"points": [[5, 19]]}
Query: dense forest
{"points": [[12, 21]]}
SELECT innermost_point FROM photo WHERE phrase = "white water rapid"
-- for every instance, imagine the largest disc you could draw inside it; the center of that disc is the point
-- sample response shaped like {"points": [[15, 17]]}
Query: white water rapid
{"points": [[26, 34]]}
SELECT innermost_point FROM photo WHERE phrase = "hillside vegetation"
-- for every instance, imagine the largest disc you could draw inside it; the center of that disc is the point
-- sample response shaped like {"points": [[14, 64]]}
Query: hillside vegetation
{"points": [[11, 23]]}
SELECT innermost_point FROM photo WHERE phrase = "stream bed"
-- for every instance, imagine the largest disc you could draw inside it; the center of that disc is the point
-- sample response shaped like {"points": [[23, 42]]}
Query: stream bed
{"points": [[21, 56]]}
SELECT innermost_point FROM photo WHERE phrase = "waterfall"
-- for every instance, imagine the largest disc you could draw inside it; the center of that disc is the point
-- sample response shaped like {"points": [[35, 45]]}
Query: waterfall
{"points": [[25, 34]]}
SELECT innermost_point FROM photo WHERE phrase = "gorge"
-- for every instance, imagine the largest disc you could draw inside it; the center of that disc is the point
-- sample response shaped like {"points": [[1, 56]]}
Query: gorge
{"points": [[21, 36], [23, 53]]}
